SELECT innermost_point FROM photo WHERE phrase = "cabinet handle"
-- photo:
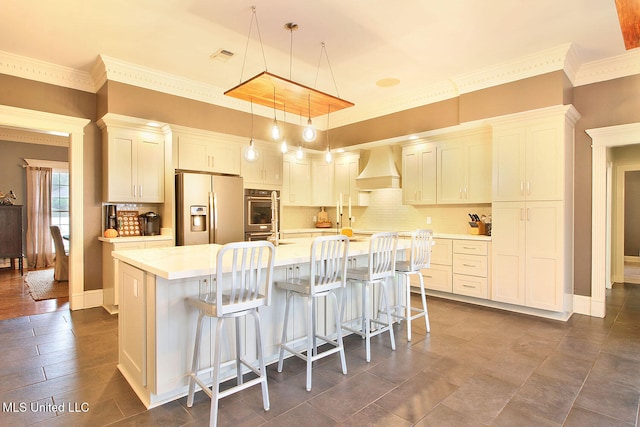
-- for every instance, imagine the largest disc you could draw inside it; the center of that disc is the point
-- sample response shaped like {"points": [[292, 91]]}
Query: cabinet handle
{"points": [[213, 161], [427, 276], [528, 188], [467, 247], [521, 188], [468, 265], [468, 286], [134, 191], [521, 214], [140, 192], [466, 195], [460, 192], [528, 214]]}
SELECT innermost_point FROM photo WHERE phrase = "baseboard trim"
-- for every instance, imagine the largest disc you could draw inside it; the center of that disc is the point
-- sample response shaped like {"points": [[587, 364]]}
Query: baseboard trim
{"points": [[87, 299], [587, 306]]}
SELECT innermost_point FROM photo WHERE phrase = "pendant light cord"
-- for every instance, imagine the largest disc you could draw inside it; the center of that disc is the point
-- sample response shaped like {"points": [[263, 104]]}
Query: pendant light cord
{"points": [[254, 16], [324, 49]]}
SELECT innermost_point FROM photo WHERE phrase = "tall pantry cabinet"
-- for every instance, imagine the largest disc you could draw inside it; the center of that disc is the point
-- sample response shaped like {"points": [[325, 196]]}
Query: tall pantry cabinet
{"points": [[532, 230]]}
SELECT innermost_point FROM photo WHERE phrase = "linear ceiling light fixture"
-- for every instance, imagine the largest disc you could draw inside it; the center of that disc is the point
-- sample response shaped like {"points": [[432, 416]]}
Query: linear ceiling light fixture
{"points": [[262, 88]]}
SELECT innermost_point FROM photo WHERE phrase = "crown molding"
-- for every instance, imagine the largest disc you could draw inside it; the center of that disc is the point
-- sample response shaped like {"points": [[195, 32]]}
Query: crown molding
{"points": [[520, 68], [28, 137], [624, 65], [45, 72]]}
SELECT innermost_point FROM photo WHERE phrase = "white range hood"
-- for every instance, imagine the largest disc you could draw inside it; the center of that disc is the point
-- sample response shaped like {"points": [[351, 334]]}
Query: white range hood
{"points": [[380, 171]]}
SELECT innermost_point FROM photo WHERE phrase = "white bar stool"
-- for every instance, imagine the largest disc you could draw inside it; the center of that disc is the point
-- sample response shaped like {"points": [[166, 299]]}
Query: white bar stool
{"points": [[244, 277], [380, 268], [328, 268], [419, 258]]}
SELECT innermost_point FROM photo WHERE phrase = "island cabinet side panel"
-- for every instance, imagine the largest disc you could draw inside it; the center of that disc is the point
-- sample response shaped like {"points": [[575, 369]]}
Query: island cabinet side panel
{"points": [[132, 325]]}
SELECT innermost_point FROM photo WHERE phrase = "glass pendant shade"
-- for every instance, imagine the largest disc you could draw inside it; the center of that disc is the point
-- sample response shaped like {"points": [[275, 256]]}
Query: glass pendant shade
{"points": [[275, 131], [283, 146], [299, 153], [327, 156], [250, 153], [309, 132]]}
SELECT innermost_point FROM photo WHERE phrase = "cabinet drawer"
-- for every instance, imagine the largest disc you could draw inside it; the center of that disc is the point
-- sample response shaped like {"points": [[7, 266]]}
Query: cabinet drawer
{"points": [[437, 278], [470, 247], [470, 286], [473, 265], [441, 252]]}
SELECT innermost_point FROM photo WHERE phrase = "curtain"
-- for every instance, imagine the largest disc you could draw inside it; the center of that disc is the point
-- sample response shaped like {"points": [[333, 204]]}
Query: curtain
{"points": [[39, 243]]}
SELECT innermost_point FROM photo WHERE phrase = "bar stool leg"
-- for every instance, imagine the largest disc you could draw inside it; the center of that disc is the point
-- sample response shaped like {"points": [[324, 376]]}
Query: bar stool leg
{"points": [[385, 297], [263, 369], [311, 335], [196, 361], [407, 283], [215, 386], [339, 333], [424, 302], [284, 330], [366, 320], [239, 379]]}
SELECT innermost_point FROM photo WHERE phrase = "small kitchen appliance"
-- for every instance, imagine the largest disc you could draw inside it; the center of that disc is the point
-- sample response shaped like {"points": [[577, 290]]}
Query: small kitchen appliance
{"points": [[150, 224]]}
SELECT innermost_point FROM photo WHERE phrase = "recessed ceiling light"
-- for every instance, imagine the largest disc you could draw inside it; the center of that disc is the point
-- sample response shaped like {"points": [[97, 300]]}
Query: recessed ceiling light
{"points": [[388, 82]]}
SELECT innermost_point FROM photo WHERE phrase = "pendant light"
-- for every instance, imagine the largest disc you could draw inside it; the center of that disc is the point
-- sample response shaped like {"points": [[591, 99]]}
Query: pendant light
{"points": [[283, 144], [309, 132], [327, 156], [299, 153], [275, 130], [250, 153]]}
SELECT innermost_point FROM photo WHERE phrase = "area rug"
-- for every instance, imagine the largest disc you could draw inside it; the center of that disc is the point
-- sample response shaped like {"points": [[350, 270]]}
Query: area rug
{"points": [[42, 286]]}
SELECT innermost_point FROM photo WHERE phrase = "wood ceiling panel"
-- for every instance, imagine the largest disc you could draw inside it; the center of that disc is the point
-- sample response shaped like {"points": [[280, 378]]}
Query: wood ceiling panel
{"points": [[629, 17], [299, 99]]}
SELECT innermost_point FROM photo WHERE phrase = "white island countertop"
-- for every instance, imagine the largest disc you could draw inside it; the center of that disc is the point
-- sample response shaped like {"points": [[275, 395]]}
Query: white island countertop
{"points": [[405, 233], [180, 262]]}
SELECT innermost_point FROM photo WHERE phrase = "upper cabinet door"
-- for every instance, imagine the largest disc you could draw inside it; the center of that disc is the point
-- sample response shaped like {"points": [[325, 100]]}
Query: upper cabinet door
{"points": [[206, 155], [419, 174], [509, 151], [151, 169], [121, 178], [452, 187], [545, 163]]}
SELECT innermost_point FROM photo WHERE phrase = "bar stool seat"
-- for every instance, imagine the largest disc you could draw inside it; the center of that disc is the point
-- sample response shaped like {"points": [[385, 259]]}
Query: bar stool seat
{"points": [[419, 258], [379, 270], [243, 282], [328, 265]]}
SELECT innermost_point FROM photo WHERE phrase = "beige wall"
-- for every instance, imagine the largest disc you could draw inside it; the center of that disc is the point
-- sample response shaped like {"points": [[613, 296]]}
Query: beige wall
{"points": [[632, 213], [22, 93]]}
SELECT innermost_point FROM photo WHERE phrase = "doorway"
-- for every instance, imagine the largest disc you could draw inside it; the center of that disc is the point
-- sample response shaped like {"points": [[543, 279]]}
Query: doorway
{"points": [[73, 127], [603, 140]]}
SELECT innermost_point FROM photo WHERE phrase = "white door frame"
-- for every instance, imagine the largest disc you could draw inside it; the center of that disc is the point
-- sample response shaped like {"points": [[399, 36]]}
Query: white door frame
{"points": [[602, 140], [74, 127]]}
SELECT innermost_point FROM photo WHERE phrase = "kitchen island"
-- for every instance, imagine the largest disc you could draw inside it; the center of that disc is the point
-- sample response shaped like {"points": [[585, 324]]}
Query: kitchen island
{"points": [[157, 326]]}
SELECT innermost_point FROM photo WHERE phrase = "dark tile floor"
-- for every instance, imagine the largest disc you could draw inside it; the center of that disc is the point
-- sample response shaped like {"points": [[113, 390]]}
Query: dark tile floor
{"points": [[477, 367]]}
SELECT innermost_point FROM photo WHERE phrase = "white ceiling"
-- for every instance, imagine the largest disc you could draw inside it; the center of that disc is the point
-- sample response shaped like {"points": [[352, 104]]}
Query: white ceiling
{"points": [[420, 42]]}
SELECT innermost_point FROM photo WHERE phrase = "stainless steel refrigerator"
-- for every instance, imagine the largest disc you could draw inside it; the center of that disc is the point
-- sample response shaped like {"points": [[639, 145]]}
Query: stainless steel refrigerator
{"points": [[209, 209]]}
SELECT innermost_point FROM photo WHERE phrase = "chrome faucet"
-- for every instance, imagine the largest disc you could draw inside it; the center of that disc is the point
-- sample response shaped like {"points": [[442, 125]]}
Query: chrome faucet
{"points": [[274, 238]]}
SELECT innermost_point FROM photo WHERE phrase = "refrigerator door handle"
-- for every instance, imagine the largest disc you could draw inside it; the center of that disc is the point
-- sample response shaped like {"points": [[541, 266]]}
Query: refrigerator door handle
{"points": [[212, 220]]}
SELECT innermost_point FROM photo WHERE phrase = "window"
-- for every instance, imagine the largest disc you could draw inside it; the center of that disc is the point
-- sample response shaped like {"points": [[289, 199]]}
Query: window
{"points": [[60, 202]]}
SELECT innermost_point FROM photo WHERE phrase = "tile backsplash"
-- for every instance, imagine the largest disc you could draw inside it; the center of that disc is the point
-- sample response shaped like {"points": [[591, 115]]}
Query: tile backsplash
{"points": [[387, 213]]}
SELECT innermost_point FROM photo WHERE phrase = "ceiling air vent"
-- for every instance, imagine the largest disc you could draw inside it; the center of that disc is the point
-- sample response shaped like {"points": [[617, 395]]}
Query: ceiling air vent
{"points": [[222, 55]]}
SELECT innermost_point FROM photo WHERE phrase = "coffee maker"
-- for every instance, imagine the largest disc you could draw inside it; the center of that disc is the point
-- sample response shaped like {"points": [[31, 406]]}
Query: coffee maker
{"points": [[111, 217]]}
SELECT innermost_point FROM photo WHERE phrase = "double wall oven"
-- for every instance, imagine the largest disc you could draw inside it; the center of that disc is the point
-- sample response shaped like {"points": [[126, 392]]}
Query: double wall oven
{"points": [[257, 214]]}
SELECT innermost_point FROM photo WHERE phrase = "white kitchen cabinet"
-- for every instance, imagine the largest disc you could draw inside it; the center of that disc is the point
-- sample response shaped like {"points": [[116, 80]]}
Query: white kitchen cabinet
{"points": [[133, 161], [529, 254], [471, 268], [296, 181], [532, 231], [347, 169], [438, 277], [464, 170], [202, 153], [266, 171], [531, 159], [322, 183], [419, 174]]}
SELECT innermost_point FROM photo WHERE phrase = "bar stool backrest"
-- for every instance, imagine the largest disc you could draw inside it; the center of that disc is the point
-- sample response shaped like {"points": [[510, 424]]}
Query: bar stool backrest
{"points": [[382, 255], [245, 280], [328, 263], [421, 243]]}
